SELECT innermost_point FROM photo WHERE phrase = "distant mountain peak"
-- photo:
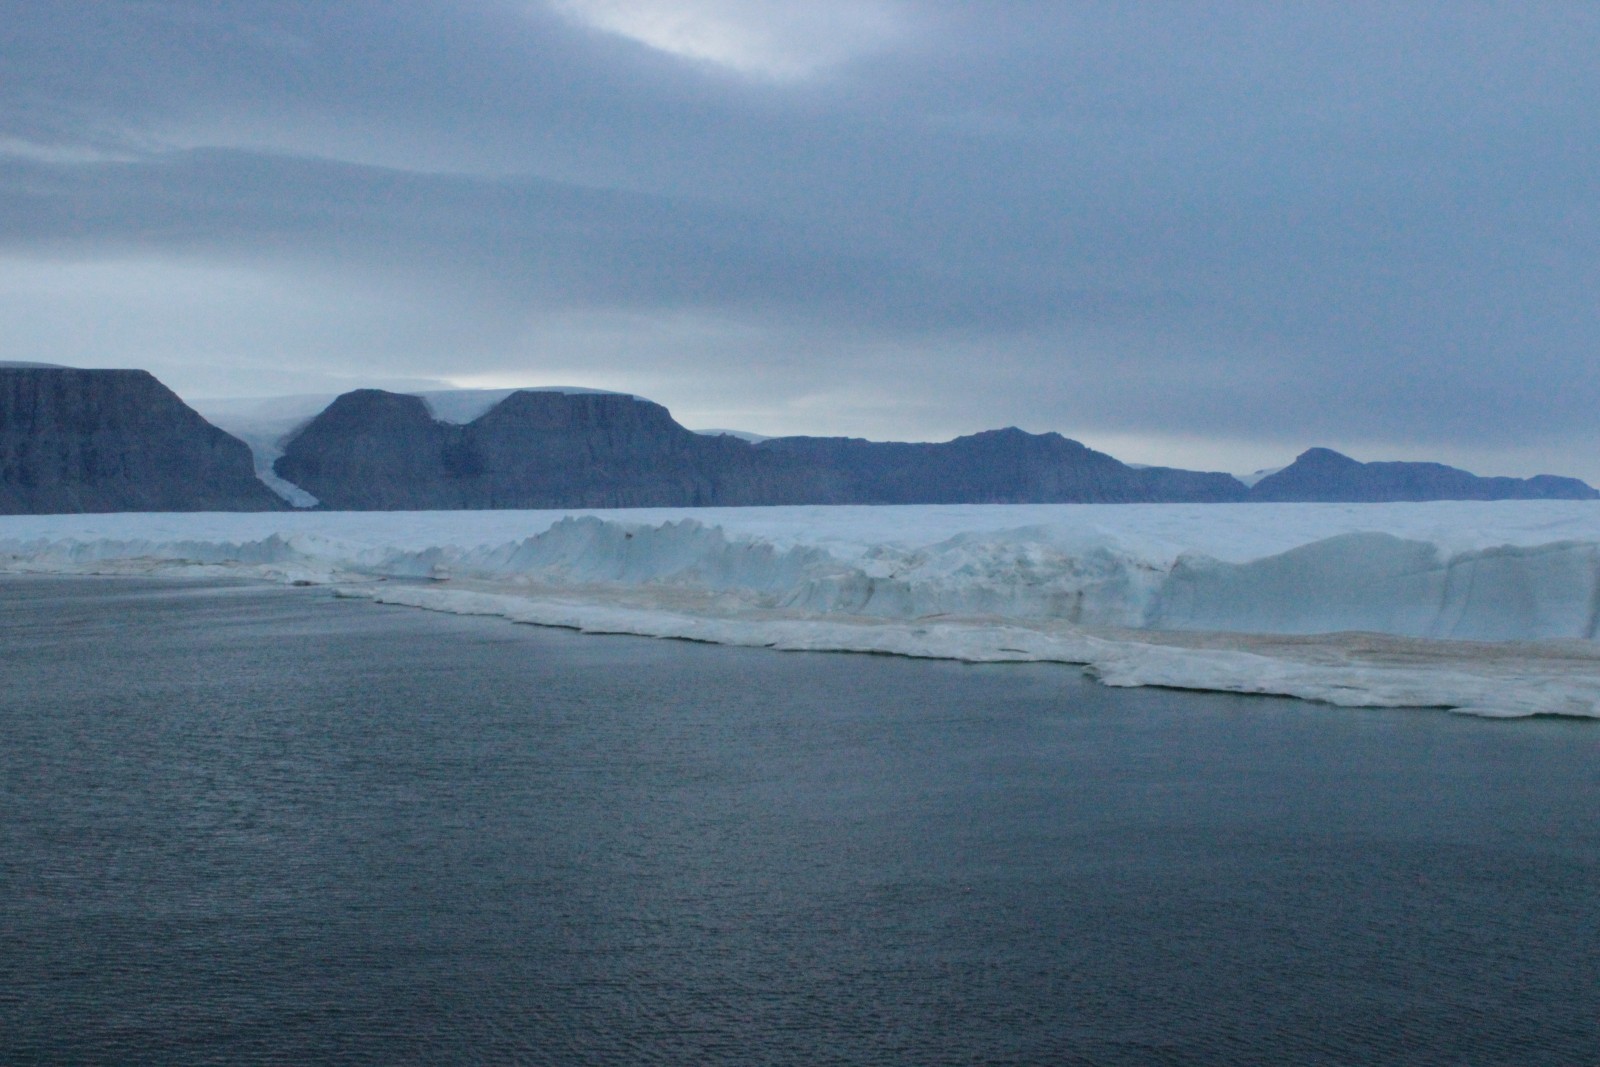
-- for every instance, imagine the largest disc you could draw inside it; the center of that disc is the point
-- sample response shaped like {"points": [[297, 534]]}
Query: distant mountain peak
{"points": [[1326, 456], [1321, 474]]}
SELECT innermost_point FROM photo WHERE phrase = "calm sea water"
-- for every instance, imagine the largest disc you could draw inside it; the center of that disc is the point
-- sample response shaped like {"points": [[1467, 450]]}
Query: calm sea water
{"points": [[248, 825]]}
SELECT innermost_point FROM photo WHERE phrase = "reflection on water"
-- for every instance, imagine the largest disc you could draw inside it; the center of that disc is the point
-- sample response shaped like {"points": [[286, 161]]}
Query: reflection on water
{"points": [[260, 825]]}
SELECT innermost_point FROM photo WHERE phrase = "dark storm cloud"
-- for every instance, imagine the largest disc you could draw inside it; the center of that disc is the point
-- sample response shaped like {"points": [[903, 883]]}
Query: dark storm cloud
{"points": [[1270, 223]]}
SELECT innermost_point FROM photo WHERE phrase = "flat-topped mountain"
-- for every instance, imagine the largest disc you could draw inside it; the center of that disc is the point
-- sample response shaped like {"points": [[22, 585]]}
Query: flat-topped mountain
{"points": [[375, 450], [384, 451], [114, 440], [1321, 474]]}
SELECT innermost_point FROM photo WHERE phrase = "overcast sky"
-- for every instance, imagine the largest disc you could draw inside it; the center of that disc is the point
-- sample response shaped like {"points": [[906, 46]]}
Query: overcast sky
{"points": [[1209, 235]]}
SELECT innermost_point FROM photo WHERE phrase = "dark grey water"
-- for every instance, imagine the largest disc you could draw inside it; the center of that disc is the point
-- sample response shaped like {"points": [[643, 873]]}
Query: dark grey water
{"points": [[245, 825]]}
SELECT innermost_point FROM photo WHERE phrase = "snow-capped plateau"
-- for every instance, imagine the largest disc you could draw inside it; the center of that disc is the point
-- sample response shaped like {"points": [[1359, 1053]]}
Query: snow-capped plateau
{"points": [[1485, 607]]}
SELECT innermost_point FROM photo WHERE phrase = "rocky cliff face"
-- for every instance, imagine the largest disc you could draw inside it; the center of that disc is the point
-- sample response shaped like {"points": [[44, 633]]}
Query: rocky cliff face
{"points": [[114, 440], [1325, 475], [376, 450], [373, 450]]}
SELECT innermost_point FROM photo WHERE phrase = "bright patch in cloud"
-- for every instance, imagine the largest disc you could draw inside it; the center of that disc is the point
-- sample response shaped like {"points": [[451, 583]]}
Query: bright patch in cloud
{"points": [[776, 39], [41, 152]]}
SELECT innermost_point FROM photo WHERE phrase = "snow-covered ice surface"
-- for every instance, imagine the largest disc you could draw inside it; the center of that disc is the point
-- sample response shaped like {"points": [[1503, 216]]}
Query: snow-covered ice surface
{"points": [[1490, 608]]}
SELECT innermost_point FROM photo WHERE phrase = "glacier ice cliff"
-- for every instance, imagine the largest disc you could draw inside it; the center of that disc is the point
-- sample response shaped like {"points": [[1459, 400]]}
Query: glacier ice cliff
{"points": [[1484, 607]]}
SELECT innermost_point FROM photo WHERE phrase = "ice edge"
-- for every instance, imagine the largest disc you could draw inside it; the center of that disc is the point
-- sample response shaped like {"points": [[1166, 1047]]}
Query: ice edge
{"points": [[1355, 619]]}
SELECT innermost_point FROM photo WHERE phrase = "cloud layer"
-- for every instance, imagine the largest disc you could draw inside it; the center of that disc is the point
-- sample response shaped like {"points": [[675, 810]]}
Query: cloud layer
{"points": [[1196, 234]]}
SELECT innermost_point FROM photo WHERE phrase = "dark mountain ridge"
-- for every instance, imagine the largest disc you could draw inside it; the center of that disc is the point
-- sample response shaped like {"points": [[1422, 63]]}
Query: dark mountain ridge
{"points": [[1008, 466], [1321, 474], [91, 440], [373, 450], [114, 440]]}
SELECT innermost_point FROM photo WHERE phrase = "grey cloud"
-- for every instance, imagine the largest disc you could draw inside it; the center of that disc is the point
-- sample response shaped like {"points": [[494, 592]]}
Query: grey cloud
{"points": [[1313, 223], [522, 242]]}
